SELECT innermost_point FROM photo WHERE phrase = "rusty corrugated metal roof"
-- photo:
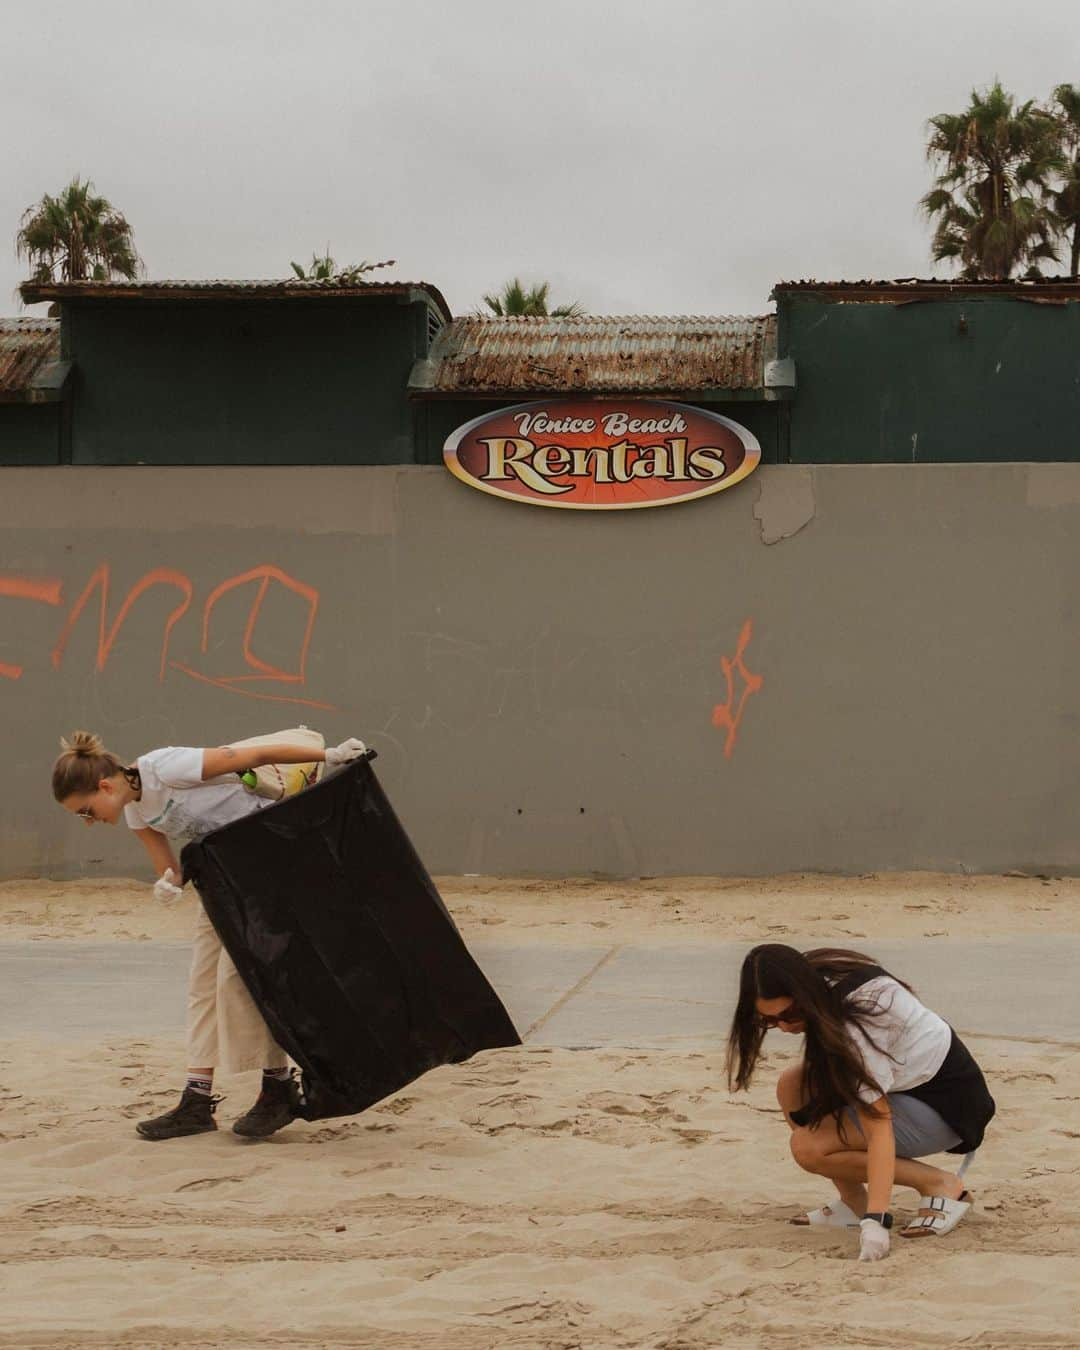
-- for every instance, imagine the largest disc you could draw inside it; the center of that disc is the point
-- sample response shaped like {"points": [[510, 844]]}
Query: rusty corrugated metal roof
{"points": [[35, 292], [26, 347], [597, 354], [932, 288]]}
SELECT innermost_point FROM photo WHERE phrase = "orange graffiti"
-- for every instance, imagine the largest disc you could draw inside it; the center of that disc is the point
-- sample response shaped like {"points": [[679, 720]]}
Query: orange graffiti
{"points": [[728, 715], [45, 590], [267, 574], [228, 682], [48, 591], [160, 576], [264, 575]]}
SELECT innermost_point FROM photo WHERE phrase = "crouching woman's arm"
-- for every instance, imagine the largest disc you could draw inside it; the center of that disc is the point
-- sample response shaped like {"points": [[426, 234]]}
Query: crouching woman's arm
{"points": [[877, 1128]]}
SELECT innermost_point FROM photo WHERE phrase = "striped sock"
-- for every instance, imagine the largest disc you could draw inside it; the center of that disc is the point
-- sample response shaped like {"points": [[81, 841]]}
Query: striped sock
{"points": [[201, 1083], [279, 1074]]}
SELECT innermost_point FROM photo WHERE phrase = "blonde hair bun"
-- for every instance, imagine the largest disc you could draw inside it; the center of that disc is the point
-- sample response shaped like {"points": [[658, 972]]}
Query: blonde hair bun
{"points": [[83, 763], [84, 744]]}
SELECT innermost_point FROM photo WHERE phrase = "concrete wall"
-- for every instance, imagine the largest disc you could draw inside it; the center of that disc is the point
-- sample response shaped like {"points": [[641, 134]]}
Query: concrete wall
{"points": [[839, 668], [971, 379]]}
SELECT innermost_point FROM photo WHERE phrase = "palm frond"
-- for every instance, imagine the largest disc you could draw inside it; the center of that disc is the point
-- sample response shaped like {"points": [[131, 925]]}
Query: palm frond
{"points": [[515, 300], [75, 236], [323, 267], [1000, 168]]}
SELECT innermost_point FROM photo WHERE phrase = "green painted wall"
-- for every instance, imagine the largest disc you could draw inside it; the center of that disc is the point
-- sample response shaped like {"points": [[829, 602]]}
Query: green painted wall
{"points": [[435, 420], [248, 382], [969, 379], [324, 381], [29, 433]]}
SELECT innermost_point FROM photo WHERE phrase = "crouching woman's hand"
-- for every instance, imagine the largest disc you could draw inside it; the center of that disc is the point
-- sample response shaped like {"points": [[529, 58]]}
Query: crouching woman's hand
{"points": [[873, 1240]]}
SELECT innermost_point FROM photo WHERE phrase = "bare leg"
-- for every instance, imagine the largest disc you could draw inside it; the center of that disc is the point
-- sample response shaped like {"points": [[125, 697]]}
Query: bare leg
{"points": [[843, 1161], [789, 1095]]}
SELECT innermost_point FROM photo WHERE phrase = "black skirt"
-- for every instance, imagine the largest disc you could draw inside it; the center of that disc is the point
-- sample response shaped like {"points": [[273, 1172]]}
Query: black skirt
{"points": [[958, 1093]]}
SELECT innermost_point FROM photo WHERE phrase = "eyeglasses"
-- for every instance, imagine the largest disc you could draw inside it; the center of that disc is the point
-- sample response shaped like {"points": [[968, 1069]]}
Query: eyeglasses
{"points": [[788, 1016], [86, 813]]}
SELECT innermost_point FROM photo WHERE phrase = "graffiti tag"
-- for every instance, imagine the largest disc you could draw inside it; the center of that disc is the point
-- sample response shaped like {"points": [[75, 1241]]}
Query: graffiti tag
{"points": [[263, 580], [729, 714]]}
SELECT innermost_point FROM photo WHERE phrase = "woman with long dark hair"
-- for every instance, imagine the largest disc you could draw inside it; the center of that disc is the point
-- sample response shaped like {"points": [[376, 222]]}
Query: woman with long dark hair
{"points": [[883, 1082]]}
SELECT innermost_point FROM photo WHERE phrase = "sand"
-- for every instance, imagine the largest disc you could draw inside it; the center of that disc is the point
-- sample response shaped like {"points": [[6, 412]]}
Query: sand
{"points": [[658, 909], [532, 1197]]}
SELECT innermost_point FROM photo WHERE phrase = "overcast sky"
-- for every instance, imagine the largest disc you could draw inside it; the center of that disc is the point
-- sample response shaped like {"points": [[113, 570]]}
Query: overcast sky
{"points": [[667, 157]]}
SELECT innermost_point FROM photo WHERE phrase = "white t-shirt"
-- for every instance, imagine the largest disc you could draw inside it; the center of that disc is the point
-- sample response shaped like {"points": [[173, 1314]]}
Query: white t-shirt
{"points": [[176, 802], [917, 1039]]}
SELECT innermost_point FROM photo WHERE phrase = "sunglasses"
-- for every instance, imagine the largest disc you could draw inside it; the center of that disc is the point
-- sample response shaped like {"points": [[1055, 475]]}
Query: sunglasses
{"points": [[790, 1014]]}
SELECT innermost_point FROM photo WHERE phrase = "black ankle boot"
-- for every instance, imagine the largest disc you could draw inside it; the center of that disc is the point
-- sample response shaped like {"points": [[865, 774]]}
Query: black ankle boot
{"points": [[193, 1115], [277, 1104]]}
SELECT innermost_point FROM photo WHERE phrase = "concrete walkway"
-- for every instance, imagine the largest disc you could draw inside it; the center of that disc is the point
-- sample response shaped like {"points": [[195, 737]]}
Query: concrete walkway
{"points": [[1017, 988]]}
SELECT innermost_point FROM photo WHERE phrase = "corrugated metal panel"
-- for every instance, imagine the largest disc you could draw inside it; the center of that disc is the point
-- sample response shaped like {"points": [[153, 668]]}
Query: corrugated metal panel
{"points": [[34, 292], [902, 289], [26, 346], [598, 354]]}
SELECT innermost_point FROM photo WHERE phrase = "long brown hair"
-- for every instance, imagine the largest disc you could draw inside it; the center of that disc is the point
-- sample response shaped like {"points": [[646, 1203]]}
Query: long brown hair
{"points": [[833, 1069], [83, 763]]}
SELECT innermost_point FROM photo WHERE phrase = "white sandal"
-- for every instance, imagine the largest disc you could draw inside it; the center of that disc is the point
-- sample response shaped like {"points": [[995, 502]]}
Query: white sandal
{"points": [[944, 1215], [836, 1215]]}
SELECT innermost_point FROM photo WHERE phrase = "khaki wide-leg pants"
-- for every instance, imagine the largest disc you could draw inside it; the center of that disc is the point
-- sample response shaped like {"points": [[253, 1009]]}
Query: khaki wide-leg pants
{"points": [[224, 1028]]}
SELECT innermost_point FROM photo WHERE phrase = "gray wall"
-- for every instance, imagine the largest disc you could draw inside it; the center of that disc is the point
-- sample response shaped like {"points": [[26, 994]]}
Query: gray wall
{"points": [[541, 685]]}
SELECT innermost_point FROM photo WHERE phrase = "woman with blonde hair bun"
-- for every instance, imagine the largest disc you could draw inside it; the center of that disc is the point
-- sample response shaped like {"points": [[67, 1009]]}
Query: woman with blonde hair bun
{"points": [[171, 796]]}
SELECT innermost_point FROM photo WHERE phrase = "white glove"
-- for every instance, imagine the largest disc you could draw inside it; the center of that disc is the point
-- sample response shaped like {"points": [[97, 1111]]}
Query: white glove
{"points": [[873, 1240], [165, 888], [345, 752]]}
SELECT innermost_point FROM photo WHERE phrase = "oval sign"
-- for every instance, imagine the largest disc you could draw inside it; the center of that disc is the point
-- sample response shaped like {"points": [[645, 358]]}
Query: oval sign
{"points": [[588, 456]]}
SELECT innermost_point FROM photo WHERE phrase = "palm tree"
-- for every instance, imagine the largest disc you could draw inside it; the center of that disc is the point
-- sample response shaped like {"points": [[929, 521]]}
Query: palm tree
{"points": [[77, 236], [991, 196], [324, 268], [1067, 198], [515, 301]]}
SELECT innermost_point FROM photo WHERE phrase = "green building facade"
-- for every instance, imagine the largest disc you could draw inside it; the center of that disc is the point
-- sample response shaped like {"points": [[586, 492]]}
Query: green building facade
{"points": [[923, 372], [206, 373]]}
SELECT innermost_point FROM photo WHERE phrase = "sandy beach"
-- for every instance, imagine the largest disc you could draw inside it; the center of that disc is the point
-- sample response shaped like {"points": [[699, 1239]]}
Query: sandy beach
{"points": [[532, 1197]]}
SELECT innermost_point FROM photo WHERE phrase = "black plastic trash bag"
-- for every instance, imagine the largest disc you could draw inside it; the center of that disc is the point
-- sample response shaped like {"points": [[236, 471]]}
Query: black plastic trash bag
{"points": [[344, 942]]}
